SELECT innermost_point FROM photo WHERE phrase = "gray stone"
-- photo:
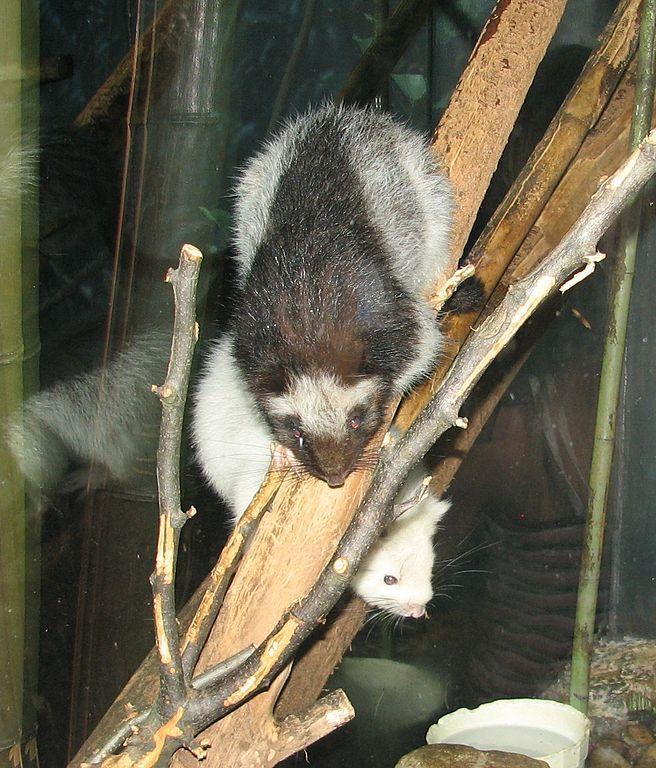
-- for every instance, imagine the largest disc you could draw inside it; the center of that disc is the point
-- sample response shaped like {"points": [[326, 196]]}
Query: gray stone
{"points": [[603, 756], [616, 744], [637, 734], [456, 756]]}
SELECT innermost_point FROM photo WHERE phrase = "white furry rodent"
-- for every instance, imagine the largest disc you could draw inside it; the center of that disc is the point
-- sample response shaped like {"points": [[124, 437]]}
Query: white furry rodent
{"points": [[396, 575], [233, 442]]}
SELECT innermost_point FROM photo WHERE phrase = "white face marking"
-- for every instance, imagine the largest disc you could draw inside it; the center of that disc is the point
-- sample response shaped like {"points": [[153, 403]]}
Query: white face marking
{"points": [[322, 402]]}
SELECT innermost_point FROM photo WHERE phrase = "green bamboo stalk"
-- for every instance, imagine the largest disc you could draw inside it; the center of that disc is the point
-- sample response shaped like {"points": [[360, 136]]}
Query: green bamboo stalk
{"points": [[12, 499], [31, 345], [611, 372]]}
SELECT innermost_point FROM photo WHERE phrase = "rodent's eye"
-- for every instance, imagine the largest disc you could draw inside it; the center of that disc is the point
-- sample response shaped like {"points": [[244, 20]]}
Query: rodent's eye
{"points": [[390, 580], [298, 435], [355, 422]]}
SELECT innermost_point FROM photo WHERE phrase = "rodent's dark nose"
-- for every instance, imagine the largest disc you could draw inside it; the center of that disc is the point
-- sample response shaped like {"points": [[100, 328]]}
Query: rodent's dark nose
{"points": [[336, 479]]}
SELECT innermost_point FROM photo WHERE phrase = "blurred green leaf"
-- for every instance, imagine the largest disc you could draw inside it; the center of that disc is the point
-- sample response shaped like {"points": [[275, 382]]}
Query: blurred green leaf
{"points": [[413, 86], [362, 42], [219, 216]]}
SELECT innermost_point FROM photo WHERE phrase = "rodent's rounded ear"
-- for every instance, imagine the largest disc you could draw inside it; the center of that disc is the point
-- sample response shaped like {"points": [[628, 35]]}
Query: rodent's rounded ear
{"points": [[436, 509]]}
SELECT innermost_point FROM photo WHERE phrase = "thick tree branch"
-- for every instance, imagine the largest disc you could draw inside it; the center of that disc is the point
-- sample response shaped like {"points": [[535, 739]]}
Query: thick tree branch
{"points": [[578, 114], [490, 93]]}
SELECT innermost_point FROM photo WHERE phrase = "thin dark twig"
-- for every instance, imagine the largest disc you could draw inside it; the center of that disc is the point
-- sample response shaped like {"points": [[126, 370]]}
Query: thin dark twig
{"points": [[173, 394]]}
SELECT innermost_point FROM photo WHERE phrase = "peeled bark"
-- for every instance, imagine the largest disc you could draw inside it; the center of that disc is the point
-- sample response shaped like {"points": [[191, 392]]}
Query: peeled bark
{"points": [[579, 113], [599, 156], [474, 130]]}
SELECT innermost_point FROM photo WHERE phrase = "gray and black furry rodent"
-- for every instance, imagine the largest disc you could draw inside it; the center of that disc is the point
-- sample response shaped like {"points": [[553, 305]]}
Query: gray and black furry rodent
{"points": [[342, 225]]}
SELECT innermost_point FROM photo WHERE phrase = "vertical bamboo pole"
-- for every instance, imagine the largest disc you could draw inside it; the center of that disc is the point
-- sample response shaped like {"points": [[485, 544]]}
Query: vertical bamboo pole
{"points": [[611, 372], [31, 348], [12, 501]]}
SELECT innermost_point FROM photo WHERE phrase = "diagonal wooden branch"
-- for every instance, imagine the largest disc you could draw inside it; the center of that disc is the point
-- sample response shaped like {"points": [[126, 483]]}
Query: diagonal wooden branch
{"points": [[220, 576], [492, 88], [497, 266], [579, 113], [104, 105]]}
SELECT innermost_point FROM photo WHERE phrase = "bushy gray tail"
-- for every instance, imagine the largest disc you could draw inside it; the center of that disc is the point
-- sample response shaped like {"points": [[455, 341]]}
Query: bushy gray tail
{"points": [[106, 418]]}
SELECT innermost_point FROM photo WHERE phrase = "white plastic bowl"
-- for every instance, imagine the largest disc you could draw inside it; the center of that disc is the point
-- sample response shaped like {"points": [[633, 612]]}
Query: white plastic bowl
{"points": [[545, 730]]}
